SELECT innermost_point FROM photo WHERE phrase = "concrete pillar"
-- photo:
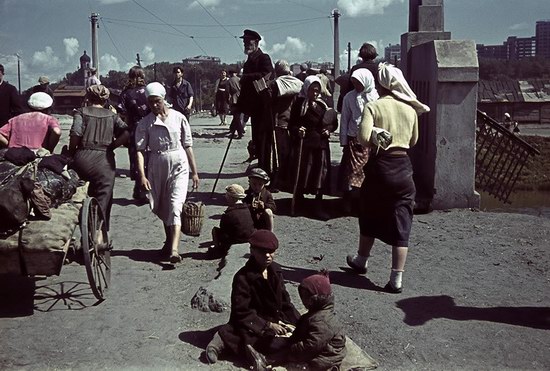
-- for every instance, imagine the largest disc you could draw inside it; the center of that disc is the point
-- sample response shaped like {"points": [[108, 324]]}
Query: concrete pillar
{"points": [[444, 75], [444, 157]]}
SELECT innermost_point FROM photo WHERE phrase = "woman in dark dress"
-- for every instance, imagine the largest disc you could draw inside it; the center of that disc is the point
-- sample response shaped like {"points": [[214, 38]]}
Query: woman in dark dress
{"points": [[388, 192], [95, 133], [222, 96], [310, 125]]}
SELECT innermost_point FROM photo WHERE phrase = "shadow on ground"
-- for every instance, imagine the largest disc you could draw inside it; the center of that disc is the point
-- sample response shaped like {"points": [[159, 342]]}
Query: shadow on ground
{"points": [[420, 310]]}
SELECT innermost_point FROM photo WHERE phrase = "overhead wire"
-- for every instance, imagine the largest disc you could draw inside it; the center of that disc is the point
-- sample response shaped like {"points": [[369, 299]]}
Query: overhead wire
{"points": [[215, 20], [112, 41], [169, 25]]}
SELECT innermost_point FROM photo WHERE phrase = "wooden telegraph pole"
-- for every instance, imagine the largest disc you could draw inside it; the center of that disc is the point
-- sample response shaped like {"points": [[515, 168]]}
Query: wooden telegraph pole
{"points": [[336, 15], [95, 58]]}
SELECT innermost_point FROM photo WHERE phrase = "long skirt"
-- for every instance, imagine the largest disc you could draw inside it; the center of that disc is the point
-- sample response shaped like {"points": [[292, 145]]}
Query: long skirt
{"points": [[314, 176], [168, 173], [354, 158], [387, 199]]}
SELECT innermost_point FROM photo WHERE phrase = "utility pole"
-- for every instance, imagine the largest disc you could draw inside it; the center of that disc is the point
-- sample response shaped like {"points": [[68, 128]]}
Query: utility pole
{"points": [[349, 56], [138, 60], [95, 61], [18, 73], [336, 15], [155, 71]]}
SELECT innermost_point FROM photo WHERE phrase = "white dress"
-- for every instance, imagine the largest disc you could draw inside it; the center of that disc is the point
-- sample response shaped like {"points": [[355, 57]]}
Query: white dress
{"points": [[167, 164]]}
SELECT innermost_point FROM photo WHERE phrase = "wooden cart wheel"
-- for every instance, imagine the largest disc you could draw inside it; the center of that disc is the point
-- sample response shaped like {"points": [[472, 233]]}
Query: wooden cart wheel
{"points": [[95, 247]]}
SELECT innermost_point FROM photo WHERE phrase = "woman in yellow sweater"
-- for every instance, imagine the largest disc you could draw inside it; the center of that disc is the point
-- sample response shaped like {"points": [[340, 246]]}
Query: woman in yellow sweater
{"points": [[387, 195]]}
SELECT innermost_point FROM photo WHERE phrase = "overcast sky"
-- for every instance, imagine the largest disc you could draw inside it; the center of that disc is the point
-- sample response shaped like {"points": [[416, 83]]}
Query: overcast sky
{"points": [[51, 35]]}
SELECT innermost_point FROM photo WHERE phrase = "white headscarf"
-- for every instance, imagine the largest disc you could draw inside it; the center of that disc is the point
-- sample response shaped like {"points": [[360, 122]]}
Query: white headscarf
{"points": [[155, 89], [369, 93], [391, 78], [303, 93]]}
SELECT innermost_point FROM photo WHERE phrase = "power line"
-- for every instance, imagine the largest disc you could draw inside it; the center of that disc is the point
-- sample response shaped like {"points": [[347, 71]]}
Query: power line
{"points": [[169, 25], [307, 6], [161, 31], [213, 25], [215, 20], [112, 41]]}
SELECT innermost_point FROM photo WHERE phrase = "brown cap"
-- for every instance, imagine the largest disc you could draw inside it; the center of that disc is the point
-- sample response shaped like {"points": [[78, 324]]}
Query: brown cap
{"points": [[235, 191], [264, 239], [43, 80], [98, 91]]}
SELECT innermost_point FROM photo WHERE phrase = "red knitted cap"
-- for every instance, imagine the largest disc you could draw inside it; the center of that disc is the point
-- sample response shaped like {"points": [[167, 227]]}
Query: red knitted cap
{"points": [[317, 284]]}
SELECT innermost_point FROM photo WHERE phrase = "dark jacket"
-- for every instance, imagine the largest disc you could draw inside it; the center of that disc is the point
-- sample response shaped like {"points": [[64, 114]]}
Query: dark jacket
{"points": [[319, 339], [236, 225], [254, 302], [258, 215], [179, 96], [256, 66], [312, 121], [10, 103]]}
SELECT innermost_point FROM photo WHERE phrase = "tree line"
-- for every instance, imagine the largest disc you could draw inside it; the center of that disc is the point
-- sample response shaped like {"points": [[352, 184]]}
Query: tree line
{"points": [[520, 69]]}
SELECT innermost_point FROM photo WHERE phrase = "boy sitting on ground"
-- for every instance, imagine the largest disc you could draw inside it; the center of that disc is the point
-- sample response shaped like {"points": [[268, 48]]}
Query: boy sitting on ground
{"points": [[260, 304], [259, 200], [236, 225], [318, 339]]}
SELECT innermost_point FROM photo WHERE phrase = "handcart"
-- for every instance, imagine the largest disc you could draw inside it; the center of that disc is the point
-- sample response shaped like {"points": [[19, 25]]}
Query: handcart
{"points": [[40, 247]]}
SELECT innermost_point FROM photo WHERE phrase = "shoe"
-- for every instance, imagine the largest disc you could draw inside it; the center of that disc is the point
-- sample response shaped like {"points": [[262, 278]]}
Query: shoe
{"points": [[354, 266], [212, 354], [392, 290], [175, 258], [256, 359]]}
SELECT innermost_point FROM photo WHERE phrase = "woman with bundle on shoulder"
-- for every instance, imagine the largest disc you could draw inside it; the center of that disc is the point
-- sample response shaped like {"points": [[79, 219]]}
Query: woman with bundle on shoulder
{"points": [[388, 192]]}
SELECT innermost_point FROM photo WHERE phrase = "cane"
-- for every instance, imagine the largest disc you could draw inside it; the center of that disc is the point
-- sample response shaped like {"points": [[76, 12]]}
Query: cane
{"points": [[221, 165], [295, 190]]}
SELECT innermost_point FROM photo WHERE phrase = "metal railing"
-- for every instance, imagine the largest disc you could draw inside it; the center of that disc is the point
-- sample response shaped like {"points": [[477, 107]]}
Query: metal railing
{"points": [[500, 157]]}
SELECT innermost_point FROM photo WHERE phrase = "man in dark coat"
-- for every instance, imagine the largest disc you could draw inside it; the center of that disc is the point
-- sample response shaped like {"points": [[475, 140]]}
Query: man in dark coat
{"points": [[255, 99], [10, 102], [259, 303]]}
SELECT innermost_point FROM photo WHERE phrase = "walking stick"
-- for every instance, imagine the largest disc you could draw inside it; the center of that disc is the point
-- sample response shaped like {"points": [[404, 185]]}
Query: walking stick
{"points": [[221, 165], [295, 190]]}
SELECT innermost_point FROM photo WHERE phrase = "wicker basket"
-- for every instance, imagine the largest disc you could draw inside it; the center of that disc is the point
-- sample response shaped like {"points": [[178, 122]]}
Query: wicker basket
{"points": [[192, 218]]}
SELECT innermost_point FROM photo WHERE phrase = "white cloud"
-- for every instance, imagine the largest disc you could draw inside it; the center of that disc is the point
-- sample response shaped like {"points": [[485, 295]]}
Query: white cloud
{"points": [[45, 60], [356, 8], [293, 48], [107, 63], [520, 26], [212, 4], [147, 55], [71, 47]]}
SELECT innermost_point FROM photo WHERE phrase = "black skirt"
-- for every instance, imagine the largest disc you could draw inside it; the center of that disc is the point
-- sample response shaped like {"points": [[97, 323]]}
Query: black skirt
{"points": [[387, 199]]}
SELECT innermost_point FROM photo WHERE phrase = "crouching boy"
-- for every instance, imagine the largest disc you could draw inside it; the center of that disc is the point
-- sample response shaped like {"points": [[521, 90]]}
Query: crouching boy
{"points": [[236, 225], [260, 200], [260, 304], [318, 339]]}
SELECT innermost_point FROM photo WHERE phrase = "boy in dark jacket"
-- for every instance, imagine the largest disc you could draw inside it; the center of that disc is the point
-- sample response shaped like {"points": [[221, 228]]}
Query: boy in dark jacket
{"points": [[260, 200], [236, 225], [318, 339], [260, 304]]}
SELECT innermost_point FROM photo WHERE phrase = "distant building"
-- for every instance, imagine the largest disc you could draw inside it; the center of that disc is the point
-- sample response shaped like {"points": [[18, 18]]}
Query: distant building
{"points": [[542, 35], [201, 59], [392, 53], [520, 47]]}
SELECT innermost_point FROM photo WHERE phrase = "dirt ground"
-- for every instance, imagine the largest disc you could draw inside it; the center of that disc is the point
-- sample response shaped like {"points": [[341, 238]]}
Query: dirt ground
{"points": [[476, 288]]}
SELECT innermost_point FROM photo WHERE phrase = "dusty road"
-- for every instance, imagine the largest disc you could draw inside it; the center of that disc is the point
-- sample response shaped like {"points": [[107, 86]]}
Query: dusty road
{"points": [[477, 288]]}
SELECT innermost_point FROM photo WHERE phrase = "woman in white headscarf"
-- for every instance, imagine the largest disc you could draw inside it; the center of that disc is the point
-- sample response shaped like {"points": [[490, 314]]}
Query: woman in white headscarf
{"points": [[311, 123], [354, 155], [166, 135], [388, 192]]}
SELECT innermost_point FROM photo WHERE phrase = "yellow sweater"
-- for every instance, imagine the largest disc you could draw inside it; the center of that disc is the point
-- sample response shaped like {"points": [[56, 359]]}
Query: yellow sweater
{"points": [[390, 114]]}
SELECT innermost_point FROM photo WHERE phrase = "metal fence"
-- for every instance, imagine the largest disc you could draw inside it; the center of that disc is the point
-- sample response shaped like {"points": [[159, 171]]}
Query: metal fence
{"points": [[500, 157]]}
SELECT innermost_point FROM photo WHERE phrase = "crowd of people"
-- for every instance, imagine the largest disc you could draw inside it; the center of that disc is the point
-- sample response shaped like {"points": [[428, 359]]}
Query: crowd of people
{"points": [[292, 120]]}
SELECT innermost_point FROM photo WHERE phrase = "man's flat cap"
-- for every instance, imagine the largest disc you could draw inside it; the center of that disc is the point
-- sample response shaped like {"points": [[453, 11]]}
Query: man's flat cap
{"points": [[249, 34]]}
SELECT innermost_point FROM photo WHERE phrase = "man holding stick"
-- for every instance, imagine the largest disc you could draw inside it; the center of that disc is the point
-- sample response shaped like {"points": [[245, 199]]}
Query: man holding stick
{"points": [[255, 100]]}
